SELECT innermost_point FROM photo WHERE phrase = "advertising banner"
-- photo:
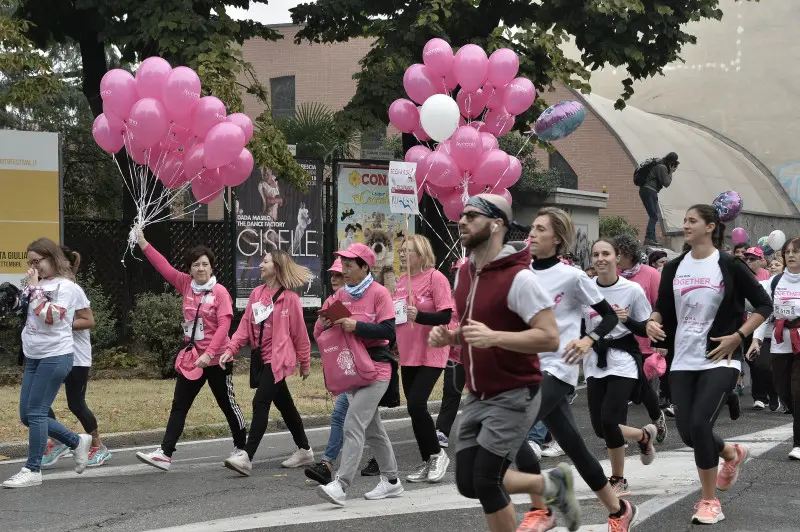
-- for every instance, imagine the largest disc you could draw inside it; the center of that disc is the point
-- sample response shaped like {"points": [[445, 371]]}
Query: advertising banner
{"points": [[30, 197], [363, 215], [403, 188], [271, 215]]}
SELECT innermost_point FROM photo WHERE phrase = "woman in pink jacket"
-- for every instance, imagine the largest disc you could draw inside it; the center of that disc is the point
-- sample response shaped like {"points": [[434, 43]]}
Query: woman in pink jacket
{"points": [[273, 325], [207, 315]]}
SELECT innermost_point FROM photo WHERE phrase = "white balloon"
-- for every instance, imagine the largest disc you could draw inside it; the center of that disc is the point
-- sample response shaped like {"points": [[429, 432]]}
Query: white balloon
{"points": [[439, 117], [776, 239]]}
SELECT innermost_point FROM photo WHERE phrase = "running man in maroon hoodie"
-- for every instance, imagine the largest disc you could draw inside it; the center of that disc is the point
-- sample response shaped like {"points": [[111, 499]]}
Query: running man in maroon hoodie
{"points": [[504, 321]]}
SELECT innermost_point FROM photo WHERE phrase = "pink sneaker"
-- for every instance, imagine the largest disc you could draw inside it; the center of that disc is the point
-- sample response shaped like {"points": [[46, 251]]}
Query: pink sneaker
{"points": [[708, 512], [537, 521], [729, 473]]}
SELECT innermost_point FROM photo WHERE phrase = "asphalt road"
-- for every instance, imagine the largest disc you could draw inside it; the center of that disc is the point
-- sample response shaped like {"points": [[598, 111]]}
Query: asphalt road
{"points": [[199, 494]]}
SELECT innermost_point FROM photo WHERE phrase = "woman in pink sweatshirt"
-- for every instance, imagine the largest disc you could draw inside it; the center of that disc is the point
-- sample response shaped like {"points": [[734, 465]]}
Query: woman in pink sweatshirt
{"points": [[273, 325], [207, 314]]}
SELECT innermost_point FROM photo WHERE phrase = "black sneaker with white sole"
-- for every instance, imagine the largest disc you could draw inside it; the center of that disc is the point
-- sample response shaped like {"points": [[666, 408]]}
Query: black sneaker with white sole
{"points": [[371, 469], [319, 473]]}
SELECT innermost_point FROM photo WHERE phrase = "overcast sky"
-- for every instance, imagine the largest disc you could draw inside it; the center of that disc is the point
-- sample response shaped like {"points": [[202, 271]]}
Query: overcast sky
{"points": [[276, 12]]}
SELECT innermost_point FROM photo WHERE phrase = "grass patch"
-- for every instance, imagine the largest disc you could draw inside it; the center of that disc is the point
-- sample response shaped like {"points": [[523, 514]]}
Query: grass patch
{"points": [[139, 404]]}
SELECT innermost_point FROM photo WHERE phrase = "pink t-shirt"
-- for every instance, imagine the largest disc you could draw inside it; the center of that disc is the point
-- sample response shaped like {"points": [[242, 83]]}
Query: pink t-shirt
{"points": [[648, 278], [431, 293], [763, 275], [455, 350]]}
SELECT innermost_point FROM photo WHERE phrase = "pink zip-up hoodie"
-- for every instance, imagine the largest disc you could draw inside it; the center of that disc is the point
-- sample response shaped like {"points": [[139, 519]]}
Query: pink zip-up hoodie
{"points": [[648, 278], [216, 312], [290, 343]]}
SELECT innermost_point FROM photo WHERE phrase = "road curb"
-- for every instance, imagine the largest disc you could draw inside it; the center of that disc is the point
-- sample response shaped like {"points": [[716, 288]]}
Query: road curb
{"points": [[19, 449]]}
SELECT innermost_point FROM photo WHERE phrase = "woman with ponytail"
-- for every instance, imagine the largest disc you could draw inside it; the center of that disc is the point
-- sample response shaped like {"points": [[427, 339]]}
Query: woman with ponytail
{"points": [[701, 300]]}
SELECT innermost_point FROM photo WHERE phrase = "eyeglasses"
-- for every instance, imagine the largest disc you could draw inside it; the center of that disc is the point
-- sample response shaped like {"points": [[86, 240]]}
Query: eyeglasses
{"points": [[471, 215], [35, 262], [751, 258]]}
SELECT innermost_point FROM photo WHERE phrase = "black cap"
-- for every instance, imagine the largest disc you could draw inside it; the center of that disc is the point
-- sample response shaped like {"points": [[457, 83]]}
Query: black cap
{"points": [[671, 158]]}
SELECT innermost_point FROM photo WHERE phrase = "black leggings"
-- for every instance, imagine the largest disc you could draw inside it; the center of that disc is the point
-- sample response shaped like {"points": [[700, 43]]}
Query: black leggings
{"points": [[221, 385], [269, 392], [761, 374], [650, 401], [479, 475], [786, 371], [608, 407], [418, 383], [75, 387], [454, 379], [557, 415], [698, 398]]}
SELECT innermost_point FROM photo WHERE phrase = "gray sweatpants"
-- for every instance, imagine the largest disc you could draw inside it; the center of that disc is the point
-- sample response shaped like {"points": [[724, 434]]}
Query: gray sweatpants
{"points": [[363, 423]]}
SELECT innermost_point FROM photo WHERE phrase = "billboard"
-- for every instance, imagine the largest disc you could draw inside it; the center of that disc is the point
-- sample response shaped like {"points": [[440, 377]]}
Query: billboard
{"points": [[363, 215], [30, 197], [272, 215]]}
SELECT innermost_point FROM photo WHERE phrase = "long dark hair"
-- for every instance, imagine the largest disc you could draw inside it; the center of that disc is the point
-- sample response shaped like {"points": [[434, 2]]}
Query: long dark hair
{"points": [[710, 216]]}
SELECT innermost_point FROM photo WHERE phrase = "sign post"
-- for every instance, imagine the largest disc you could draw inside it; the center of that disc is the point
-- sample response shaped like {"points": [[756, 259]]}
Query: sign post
{"points": [[403, 200]]}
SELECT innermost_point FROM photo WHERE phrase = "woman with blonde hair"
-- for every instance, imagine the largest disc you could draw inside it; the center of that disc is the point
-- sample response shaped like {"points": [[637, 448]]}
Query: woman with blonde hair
{"points": [[428, 305], [274, 327]]}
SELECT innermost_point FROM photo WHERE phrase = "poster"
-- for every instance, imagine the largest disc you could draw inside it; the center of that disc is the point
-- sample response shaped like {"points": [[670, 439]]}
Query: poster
{"points": [[272, 215], [30, 202], [403, 188], [363, 215]]}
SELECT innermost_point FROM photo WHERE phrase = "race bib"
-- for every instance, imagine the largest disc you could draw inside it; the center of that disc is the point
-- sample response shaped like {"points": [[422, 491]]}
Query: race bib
{"points": [[785, 310], [400, 311], [261, 311], [198, 333]]}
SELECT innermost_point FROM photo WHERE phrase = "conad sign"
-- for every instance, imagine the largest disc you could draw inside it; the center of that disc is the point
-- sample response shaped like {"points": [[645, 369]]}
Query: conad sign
{"points": [[30, 197]]}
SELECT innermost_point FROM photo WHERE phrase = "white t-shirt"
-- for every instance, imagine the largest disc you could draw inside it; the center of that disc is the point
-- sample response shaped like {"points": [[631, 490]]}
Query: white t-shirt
{"points": [[698, 290], [785, 305], [623, 294], [40, 340], [569, 289], [82, 338]]}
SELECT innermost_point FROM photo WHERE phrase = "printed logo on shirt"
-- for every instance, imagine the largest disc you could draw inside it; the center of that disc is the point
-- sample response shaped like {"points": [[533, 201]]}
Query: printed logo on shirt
{"points": [[558, 299], [687, 284]]}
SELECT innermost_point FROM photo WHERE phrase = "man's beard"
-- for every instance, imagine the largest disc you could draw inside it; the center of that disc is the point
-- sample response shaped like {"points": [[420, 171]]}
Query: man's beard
{"points": [[476, 239]]}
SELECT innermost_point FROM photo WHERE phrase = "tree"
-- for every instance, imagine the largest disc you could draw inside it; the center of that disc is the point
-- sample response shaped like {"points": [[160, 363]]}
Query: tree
{"points": [[642, 36], [320, 133], [611, 226]]}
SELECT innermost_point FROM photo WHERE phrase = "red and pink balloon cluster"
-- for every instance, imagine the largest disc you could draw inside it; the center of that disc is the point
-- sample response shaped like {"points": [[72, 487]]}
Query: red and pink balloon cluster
{"points": [[163, 123], [467, 159]]}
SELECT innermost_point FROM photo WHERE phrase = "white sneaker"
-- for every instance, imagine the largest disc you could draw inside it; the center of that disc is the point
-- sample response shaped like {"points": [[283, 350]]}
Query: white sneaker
{"points": [[759, 405], [794, 454], [333, 492], [24, 479], [384, 490], [239, 461], [443, 440], [437, 467], [301, 457], [156, 459], [536, 449], [81, 453], [553, 450]]}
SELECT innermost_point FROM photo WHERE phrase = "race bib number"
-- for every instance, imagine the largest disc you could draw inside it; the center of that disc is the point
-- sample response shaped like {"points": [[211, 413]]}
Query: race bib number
{"points": [[785, 310], [261, 312], [198, 332], [400, 312]]}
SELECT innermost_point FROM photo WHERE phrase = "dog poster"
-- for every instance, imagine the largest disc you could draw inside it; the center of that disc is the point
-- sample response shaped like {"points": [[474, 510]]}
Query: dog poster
{"points": [[363, 215], [272, 215]]}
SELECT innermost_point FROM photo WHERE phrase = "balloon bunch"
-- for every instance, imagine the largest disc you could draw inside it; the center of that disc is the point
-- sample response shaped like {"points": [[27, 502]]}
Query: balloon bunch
{"points": [[467, 159], [166, 127]]}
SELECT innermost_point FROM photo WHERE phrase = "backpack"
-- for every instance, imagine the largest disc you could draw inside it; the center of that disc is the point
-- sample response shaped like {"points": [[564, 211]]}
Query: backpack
{"points": [[774, 285], [643, 170]]}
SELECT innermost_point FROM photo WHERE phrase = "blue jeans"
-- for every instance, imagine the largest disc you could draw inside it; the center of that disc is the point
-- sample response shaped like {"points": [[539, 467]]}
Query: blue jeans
{"points": [[649, 199], [40, 384], [538, 433], [336, 437]]}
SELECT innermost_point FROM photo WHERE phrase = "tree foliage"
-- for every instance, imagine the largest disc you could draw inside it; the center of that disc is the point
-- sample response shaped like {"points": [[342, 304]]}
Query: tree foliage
{"points": [[319, 132], [611, 226]]}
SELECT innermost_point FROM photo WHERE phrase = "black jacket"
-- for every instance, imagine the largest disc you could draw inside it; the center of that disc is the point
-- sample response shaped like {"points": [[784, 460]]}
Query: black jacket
{"points": [[658, 178], [740, 284]]}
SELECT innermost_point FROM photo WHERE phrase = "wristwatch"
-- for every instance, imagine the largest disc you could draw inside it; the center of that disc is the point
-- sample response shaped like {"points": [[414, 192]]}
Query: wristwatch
{"points": [[594, 336]]}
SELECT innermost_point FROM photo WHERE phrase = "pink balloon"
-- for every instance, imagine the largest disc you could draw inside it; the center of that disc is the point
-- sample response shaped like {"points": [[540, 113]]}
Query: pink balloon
{"points": [[506, 194], [155, 157], [118, 91], [223, 144], [404, 115], [181, 93], [519, 96], [419, 83], [450, 81], [438, 169], [109, 139], [491, 166], [137, 153], [471, 66], [148, 122], [471, 104], [207, 186], [208, 112], [420, 134], [739, 236], [193, 161], [178, 137], [473, 188], [151, 76], [244, 122], [116, 123], [467, 147], [237, 171], [477, 124], [510, 175], [503, 66], [499, 122], [489, 142], [496, 95], [444, 147], [171, 172], [438, 56], [416, 154], [452, 206]]}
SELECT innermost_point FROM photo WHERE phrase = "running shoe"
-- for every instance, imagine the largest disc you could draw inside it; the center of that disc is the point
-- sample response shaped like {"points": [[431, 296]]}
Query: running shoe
{"points": [[98, 456], [239, 461], [739, 390], [729, 472], [571, 397], [371, 469], [624, 522], [443, 441], [301, 457], [708, 512], [320, 473], [794, 454], [536, 449], [421, 474], [385, 490], [537, 521], [661, 428], [565, 499], [759, 405], [155, 458], [787, 410], [81, 453], [774, 404], [670, 410], [24, 479], [619, 486], [553, 450], [333, 492], [647, 450], [734, 406], [53, 452], [437, 467]]}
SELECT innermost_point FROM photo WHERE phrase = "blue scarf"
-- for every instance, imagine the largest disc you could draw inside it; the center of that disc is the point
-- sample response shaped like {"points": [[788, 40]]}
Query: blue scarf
{"points": [[357, 292]]}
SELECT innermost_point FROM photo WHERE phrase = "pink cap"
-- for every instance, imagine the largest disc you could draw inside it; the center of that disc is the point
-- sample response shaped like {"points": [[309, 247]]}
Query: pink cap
{"points": [[336, 266], [358, 251], [184, 364], [755, 251]]}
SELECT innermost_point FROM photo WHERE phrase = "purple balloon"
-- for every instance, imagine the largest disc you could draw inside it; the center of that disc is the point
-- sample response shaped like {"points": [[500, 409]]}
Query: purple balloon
{"points": [[471, 66], [559, 120], [419, 83], [728, 205]]}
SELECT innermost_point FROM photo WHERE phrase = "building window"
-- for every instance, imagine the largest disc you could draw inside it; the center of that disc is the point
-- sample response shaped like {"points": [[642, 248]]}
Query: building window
{"points": [[282, 96], [569, 179]]}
